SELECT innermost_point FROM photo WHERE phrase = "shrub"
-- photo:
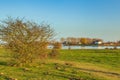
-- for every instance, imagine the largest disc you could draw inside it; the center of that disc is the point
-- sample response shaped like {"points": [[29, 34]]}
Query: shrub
{"points": [[27, 40], [56, 49]]}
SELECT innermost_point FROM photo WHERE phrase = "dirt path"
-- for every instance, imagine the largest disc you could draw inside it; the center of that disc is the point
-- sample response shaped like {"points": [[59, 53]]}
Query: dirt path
{"points": [[91, 68]]}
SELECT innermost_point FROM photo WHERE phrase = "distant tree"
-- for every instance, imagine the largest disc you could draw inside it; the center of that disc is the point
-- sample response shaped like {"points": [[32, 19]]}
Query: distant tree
{"points": [[84, 41], [27, 40], [62, 40], [73, 41]]}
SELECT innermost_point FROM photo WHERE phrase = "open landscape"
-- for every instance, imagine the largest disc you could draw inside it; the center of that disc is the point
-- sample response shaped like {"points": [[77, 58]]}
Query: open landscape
{"points": [[59, 39], [69, 65]]}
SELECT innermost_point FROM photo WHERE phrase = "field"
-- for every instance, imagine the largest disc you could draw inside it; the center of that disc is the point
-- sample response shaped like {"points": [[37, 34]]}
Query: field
{"points": [[69, 65]]}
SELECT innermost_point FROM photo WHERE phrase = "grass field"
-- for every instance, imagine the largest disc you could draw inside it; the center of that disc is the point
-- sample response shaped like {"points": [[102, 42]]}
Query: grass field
{"points": [[69, 65]]}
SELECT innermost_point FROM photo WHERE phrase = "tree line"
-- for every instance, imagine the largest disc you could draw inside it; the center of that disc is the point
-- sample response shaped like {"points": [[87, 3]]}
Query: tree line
{"points": [[81, 41]]}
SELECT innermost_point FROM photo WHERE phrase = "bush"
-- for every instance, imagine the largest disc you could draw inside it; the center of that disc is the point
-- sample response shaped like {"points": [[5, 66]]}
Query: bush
{"points": [[54, 53], [56, 49], [27, 40], [57, 45]]}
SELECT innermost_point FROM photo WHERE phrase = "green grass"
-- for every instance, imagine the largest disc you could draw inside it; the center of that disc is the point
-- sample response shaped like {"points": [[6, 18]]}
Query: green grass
{"points": [[109, 58], [69, 65]]}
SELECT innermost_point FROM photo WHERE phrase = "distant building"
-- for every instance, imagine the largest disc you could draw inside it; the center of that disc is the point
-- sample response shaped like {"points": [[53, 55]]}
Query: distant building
{"points": [[98, 42]]}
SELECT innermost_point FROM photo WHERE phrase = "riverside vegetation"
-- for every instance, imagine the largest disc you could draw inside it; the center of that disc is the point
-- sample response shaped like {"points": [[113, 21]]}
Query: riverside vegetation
{"points": [[69, 65]]}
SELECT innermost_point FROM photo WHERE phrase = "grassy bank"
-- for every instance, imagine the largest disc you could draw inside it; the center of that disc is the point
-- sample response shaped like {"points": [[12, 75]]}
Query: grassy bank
{"points": [[69, 65], [108, 58]]}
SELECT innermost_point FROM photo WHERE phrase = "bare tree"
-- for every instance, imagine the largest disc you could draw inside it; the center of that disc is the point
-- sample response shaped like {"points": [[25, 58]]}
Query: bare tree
{"points": [[27, 40]]}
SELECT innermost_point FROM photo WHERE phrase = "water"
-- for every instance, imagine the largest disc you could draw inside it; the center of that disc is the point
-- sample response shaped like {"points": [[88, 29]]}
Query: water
{"points": [[89, 47], [85, 47]]}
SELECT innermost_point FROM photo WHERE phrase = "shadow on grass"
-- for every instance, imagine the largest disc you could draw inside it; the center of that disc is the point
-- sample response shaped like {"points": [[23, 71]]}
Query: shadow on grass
{"points": [[99, 71], [64, 75], [75, 76], [65, 71], [3, 63]]}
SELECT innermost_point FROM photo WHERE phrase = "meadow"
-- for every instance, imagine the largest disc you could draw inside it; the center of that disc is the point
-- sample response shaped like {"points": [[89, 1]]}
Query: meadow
{"points": [[88, 64]]}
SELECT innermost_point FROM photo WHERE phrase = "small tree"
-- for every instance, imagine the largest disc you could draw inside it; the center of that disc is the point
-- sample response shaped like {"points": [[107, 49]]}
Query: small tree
{"points": [[27, 40], [56, 49]]}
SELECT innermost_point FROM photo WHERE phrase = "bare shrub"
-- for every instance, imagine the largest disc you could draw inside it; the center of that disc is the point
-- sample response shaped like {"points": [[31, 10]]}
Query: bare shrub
{"points": [[27, 40], [56, 49]]}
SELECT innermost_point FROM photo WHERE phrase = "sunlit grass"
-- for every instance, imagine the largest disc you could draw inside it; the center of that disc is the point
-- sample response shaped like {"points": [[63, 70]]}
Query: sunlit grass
{"points": [[69, 65], [105, 58]]}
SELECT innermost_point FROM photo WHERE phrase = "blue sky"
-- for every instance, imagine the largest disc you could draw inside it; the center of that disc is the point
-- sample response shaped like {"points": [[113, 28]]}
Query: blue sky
{"points": [[70, 18]]}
